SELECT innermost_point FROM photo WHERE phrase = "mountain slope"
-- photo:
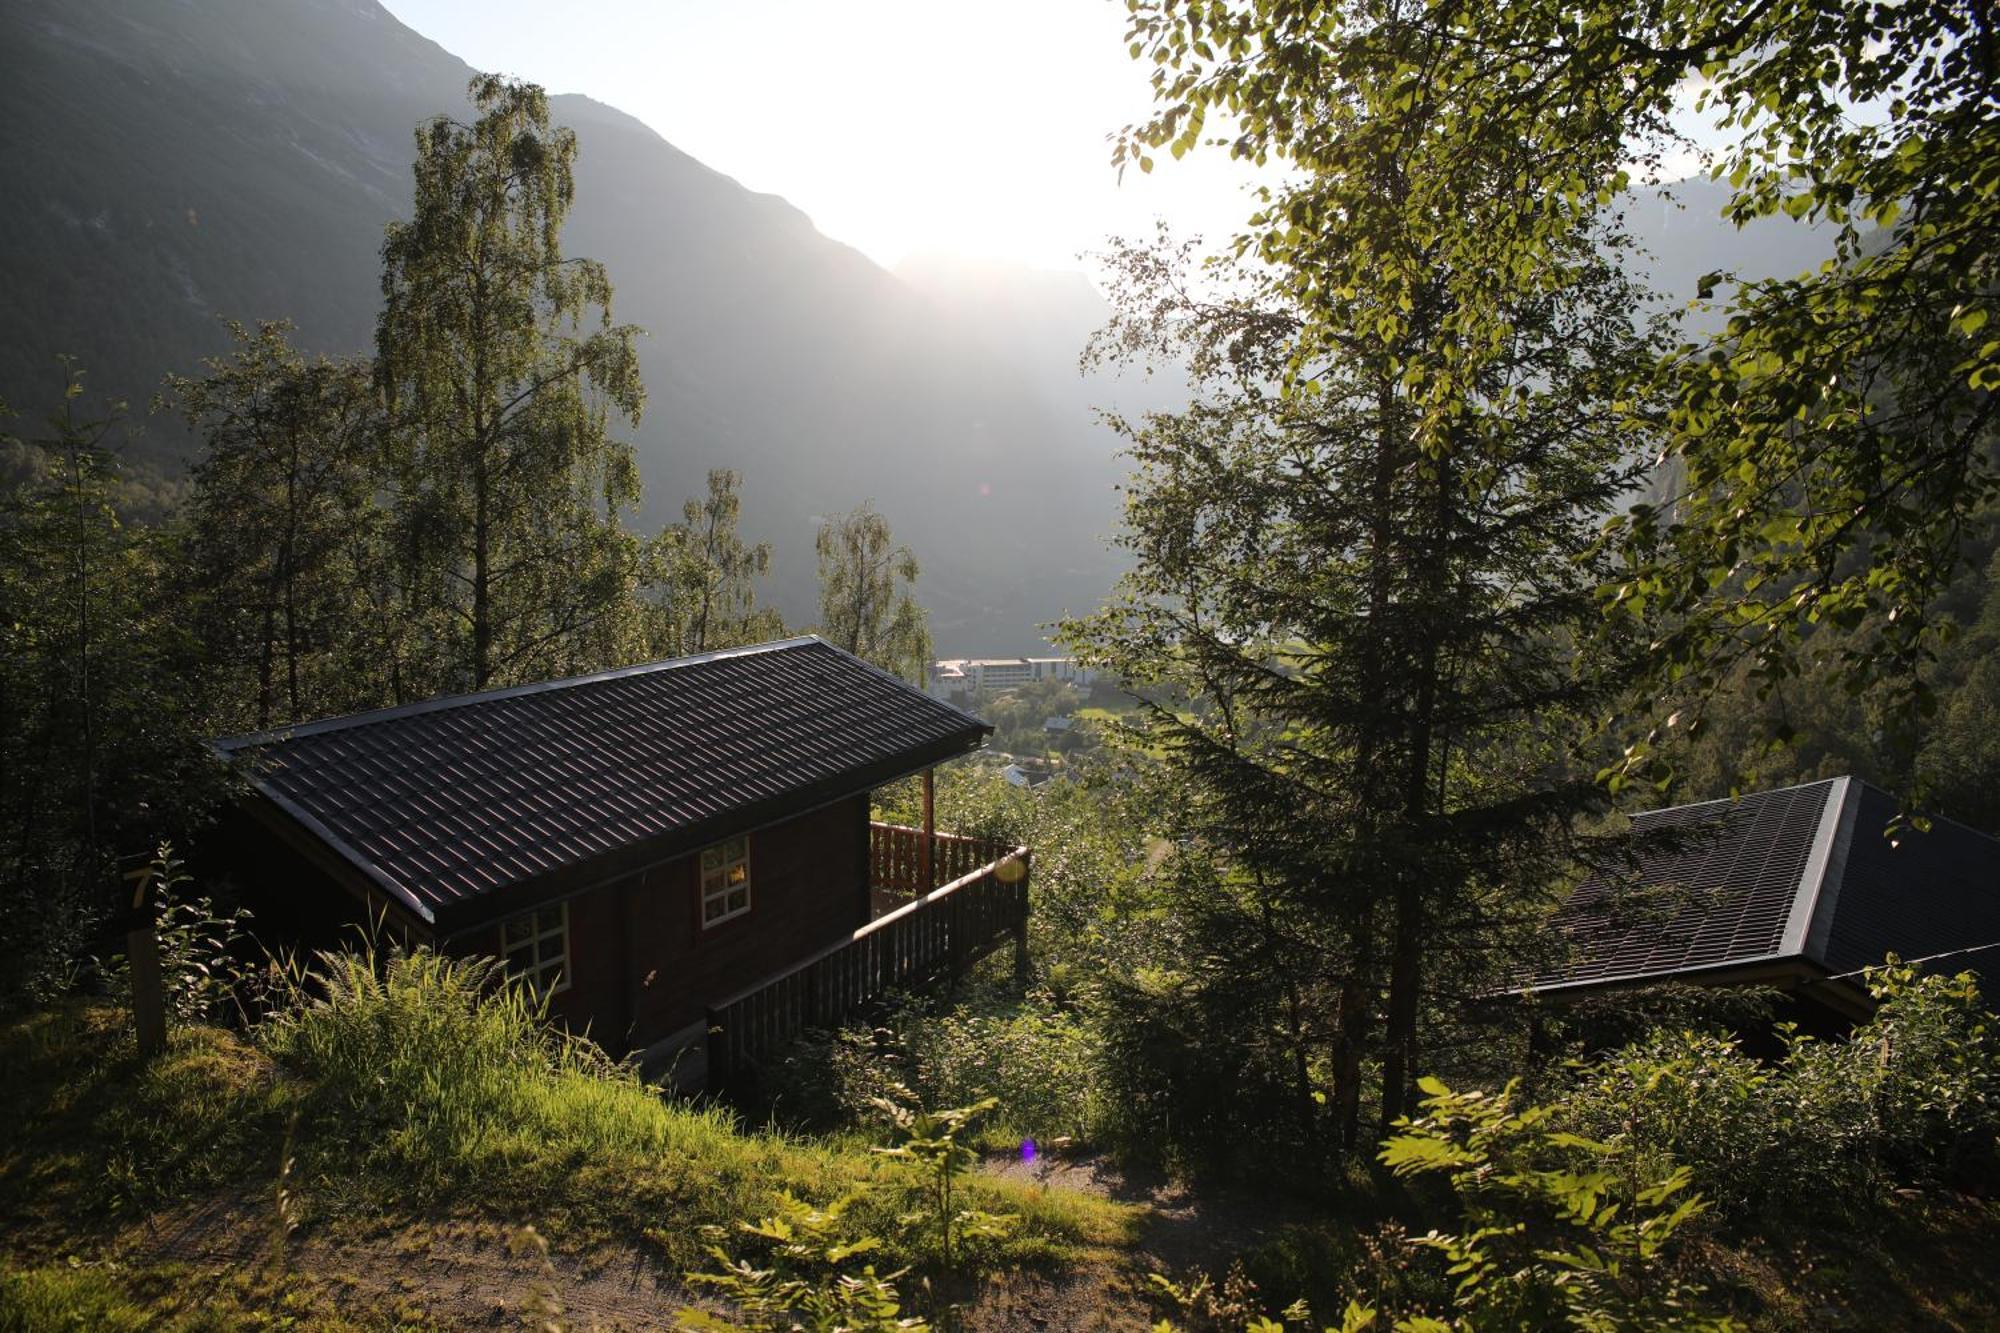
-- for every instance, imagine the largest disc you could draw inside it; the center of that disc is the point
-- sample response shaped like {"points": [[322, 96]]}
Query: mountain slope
{"points": [[177, 161]]}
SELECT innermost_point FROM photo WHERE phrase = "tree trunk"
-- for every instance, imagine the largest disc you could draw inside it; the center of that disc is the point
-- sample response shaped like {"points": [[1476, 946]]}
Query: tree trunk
{"points": [[1351, 1034], [290, 557], [1399, 1062]]}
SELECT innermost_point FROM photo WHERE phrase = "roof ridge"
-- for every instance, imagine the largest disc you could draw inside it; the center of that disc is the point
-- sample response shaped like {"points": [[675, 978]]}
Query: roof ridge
{"points": [[887, 674], [229, 745], [1734, 800], [1927, 815], [1819, 880]]}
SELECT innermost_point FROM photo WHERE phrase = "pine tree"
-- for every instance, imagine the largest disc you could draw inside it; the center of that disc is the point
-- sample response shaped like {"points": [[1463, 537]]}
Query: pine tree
{"points": [[1368, 556], [101, 699]]}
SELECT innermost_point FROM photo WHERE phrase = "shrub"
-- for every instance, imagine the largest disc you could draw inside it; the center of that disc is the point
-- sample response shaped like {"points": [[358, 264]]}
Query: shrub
{"points": [[1558, 1229], [203, 975], [806, 1282], [429, 1081], [1039, 1060], [1912, 1097]]}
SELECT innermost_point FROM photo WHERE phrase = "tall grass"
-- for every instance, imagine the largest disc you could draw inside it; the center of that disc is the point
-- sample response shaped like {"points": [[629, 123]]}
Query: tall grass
{"points": [[434, 1068], [431, 1079]]}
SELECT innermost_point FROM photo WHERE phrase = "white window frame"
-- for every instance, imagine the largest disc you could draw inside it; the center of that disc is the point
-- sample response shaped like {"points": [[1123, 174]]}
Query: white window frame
{"points": [[712, 871], [547, 942]]}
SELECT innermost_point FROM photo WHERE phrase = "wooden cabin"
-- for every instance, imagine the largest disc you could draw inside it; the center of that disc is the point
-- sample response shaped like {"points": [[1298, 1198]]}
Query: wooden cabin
{"points": [[678, 855], [1798, 889]]}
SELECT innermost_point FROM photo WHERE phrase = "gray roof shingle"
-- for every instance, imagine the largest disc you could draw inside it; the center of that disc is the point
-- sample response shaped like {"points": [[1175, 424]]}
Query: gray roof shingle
{"points": [[447, 802], [1800, 876]]}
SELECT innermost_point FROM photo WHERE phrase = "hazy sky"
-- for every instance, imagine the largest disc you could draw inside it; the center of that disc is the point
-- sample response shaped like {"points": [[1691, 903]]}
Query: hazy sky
{"points": [[902, 127]]}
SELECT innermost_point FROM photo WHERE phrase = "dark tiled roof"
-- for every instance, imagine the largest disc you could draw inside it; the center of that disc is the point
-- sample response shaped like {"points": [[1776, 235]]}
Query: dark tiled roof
{"points": [[450, 801], [1802, 876]]}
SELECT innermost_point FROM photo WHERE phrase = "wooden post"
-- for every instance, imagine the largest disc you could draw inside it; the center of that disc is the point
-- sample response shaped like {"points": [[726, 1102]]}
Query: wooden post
{"points": [[927, 853], [149, 1006], [142, 960]]}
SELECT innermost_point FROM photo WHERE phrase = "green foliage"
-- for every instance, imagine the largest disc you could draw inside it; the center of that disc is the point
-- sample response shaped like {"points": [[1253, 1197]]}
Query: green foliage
{"points": [[100, 701], [205, 975], [1019, 718], [1819, 458], [933, 1146], [282, 554], [1559, 1230], [508, 485], [867, 593], [427, 1082], [808, 1285], [430, 1070], [1038, 1059], [1035, 1062], [1366, 555], [99, 1131], [1959, 765], [1911, 1098], [702, 577], [1090, 841], [67, 1300], [1232, 1304]]}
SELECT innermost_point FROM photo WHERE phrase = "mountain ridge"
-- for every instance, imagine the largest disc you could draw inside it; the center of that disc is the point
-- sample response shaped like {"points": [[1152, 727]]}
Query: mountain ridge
{"points": [[214, 158], [191, 159]]}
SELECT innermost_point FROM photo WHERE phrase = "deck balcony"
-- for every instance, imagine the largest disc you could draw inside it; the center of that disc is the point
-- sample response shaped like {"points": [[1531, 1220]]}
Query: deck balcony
{"points": [[941, 903]]}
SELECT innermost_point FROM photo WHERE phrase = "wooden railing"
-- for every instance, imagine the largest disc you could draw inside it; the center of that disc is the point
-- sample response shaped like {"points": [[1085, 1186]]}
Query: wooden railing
{"points": [[936, 937], [896, 858]]}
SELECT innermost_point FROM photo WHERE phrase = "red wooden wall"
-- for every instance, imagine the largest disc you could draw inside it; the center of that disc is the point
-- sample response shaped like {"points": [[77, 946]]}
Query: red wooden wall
{"points": [[641, 965]]}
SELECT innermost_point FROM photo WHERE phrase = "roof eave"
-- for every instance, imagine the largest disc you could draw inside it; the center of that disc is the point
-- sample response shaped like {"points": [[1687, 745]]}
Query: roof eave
{"points": [[300, 831], [1784, 972]]}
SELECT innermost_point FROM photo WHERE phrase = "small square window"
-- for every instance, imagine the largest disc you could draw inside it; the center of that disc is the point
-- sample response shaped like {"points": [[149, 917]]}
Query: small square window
{"points": [[725, 881], [535, 947]]}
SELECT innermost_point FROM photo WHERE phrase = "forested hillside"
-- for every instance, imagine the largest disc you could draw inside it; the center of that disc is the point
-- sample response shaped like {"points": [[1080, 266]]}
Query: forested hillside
{"points": [[224, 158], [1441, 890], [232, 158]]}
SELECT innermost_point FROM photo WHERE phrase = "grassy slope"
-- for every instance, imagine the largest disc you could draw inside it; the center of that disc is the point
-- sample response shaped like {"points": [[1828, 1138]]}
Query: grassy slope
{"points": [[98, 1139]]}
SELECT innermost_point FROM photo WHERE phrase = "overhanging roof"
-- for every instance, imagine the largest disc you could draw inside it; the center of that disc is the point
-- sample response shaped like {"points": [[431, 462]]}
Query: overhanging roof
{"points": [[1801, 882], [460, 808]]}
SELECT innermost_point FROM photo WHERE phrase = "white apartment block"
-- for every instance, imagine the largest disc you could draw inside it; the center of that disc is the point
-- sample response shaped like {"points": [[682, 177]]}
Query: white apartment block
{"points": [[969, 675]]}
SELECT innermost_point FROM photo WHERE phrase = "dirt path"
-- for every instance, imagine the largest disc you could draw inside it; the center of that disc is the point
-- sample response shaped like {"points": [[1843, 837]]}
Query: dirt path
{"points": [[452, 1275], [461, 1274], [1183, 1230]]}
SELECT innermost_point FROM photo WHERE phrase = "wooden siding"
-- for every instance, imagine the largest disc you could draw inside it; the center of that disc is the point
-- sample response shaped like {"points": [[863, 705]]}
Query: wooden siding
{"points": [[642, 967]]}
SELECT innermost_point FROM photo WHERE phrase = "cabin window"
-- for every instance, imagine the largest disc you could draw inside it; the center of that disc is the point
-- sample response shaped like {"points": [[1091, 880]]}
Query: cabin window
{"points": [[536, 948], [725, 881]]}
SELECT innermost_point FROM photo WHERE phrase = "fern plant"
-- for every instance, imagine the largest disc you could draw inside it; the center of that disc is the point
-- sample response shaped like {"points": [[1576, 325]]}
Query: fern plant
{"points": [[807, 1285], [1563, 1231]]}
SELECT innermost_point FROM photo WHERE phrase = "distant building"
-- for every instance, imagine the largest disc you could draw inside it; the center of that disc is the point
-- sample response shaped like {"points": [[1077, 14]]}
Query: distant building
{"points": [[969, 675]]}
